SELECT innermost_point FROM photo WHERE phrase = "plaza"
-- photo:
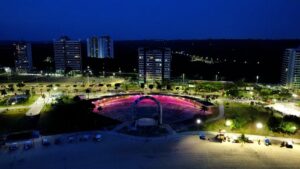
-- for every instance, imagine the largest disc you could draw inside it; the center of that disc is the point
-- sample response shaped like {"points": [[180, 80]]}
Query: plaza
{"points": [[178, 151]]}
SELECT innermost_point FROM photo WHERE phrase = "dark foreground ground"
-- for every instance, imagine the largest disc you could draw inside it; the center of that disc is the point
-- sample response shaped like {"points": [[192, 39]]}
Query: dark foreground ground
{"points": [[176, 152]]}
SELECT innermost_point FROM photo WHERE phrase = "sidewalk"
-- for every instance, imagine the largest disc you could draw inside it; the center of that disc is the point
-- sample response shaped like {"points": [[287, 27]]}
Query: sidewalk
{"points": [[254, 137]]}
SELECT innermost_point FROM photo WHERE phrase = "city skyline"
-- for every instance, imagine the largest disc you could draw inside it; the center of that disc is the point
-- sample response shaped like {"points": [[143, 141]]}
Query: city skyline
{"points": [[217, 19]]}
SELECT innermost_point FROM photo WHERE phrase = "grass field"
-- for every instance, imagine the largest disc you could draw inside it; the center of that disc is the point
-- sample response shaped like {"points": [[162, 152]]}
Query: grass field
{"points": [[70, 117], [27, 102], [247, 116], [13, 120]]}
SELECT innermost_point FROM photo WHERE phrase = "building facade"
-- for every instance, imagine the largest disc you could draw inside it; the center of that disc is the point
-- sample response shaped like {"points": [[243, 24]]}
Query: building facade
{"points": [[100, 47], [154, 64], [291, 68], [23, 57], [67, 55]]}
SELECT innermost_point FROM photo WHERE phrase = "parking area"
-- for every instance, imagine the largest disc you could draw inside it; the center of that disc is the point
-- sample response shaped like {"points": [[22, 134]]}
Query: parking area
{"points": [[181, 151]]}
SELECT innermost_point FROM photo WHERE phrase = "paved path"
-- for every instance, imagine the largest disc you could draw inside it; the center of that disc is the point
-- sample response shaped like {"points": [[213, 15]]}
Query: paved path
{"points": [[220, 115], [37, 106]]}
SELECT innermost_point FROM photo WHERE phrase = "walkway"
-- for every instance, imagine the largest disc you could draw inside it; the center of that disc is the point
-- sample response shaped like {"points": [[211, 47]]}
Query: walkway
{"points": [[220, 115]]}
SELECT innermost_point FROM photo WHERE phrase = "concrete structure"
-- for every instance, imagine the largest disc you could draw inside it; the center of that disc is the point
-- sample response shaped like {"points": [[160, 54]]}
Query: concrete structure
{"points": [[291, 68], [100, 47], [23, 57], [67, 55], [154, 64], [159, 107]]}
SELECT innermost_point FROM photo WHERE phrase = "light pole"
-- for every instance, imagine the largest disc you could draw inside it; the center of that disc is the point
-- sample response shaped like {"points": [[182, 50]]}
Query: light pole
{"points": [[228, 123], [198, 122], [88, 74], [217, 76]]}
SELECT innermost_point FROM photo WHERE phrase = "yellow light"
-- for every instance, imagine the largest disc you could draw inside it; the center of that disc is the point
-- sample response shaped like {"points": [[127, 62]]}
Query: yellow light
{"points": [[228, 123], [259, 125]]}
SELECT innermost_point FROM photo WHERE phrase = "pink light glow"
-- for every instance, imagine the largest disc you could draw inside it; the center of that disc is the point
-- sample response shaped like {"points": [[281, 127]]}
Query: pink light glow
{"points": [[120, 107]]}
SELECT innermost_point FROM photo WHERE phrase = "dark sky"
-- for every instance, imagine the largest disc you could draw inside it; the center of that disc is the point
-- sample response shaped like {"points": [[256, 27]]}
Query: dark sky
{"points": [[149, 19]]}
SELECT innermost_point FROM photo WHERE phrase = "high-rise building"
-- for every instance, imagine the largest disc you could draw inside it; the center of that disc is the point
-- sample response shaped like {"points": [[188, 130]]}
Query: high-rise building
{"points": [[23, 57], [93, 47], [67, 55], [291, 68], [100, 47], [154, 64]]}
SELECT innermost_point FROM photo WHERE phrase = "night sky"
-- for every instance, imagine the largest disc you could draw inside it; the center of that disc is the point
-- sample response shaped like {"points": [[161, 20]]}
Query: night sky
{"points": [[149, 19]]}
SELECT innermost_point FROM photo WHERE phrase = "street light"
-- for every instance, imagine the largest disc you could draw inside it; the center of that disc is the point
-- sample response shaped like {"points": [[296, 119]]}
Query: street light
{"points": [[228, 123], [198, 121], [257, 77], [259, 125]]}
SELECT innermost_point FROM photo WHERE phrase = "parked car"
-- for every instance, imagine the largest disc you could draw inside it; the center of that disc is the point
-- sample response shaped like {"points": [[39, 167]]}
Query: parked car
{"points": [[28, 145], [249, 140], [98, 137], [267, 142], [220, 137], [45, 142], [202, 136], [289, 144], [13, 147], [71, 139]]}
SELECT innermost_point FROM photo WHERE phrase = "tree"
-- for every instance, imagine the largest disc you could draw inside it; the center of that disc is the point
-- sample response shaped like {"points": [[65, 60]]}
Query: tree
{"points": [[151, 86], [274, 123], [20, 85], [3, 92], [88, 91], [11, 87], [27, 92], [158, 86], [288, 127], [117, 85]]}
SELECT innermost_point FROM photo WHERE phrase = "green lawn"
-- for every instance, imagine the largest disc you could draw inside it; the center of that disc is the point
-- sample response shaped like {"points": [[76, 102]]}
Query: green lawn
{"points": [[247, 116], [27, 102], [70, 117], [15, 120]]}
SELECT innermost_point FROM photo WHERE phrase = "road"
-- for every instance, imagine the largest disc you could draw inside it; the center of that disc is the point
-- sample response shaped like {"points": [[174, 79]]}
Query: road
{"points": [[176, 152]]}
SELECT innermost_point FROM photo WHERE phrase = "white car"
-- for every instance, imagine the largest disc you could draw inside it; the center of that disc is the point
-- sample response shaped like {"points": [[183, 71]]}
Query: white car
{"points": [[98, 137]]}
